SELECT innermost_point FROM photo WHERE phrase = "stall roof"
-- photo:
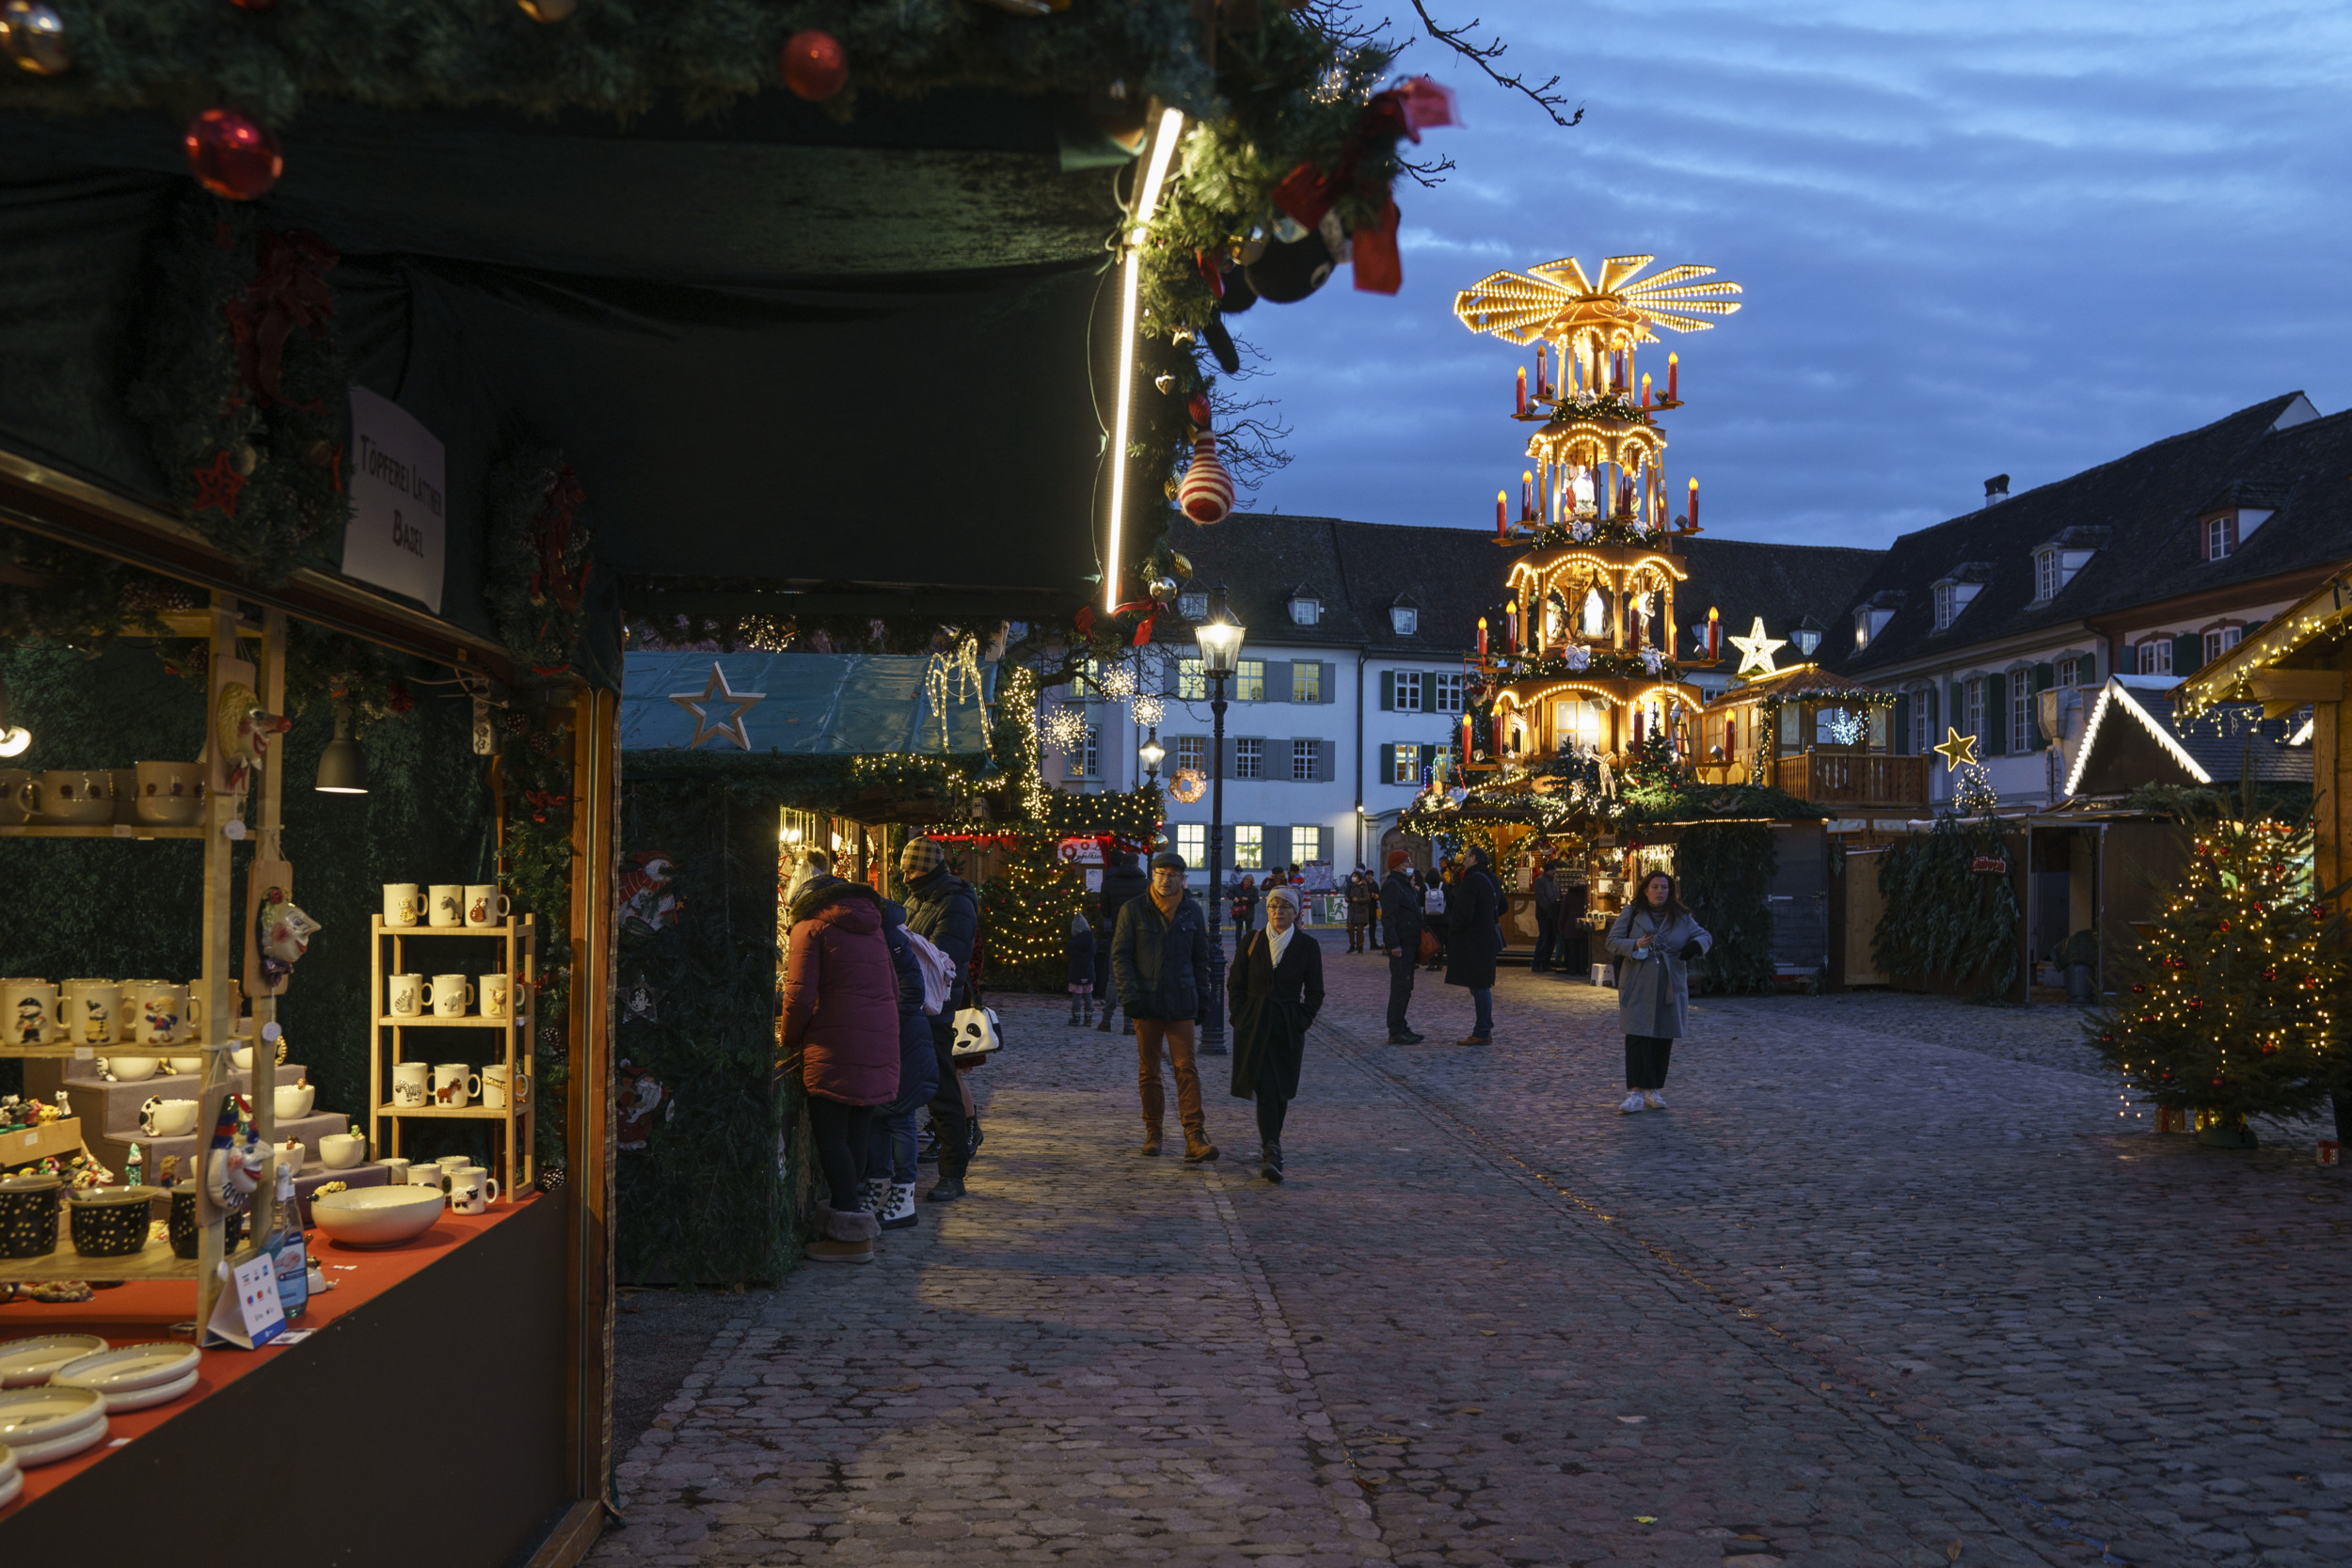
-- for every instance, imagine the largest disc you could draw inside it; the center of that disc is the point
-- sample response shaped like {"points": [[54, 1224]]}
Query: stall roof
{"points": [[2291, 638], [805, 705], [2136, 738]]}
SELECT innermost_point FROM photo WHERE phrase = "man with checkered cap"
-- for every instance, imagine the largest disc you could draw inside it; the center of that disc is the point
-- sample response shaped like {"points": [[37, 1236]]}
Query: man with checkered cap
{"points": [[1160, 965], [942, 909]]}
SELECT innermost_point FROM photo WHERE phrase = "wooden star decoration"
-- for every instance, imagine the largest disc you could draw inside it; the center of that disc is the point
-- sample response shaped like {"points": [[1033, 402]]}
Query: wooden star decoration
{"points": [[716, 691], [1756, 649], [216, 486], [1958, 751]]}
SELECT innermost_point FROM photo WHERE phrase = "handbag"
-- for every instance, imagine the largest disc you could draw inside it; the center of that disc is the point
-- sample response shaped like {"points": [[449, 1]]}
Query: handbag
{"points": [[1428, 945], [977, 1034]]}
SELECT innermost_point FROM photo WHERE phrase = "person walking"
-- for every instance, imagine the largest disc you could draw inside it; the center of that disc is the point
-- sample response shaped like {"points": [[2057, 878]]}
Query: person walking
{"points": [[1122, 882], [841, 1023], [1474, 911], [1276, 987], [1078, 947], [1160, 965], [890, 1161], [1547, 918], [1360, 902], [942, 909], [1657, 938], [1400, 922], [1243, 908]]}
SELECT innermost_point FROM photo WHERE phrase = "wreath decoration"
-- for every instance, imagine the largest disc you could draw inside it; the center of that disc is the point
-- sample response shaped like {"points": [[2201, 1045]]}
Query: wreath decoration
{"points": [[536, 584]]}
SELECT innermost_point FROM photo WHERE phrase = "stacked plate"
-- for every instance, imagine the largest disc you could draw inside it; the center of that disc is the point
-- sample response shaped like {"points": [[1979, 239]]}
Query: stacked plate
{"points": [[11, 1479], [39, 1425], [27, 1363], [135, 1376]]}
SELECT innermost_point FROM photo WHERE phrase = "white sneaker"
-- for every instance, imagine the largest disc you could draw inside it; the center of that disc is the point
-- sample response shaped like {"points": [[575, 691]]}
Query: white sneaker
{"points": [[1655, 1100], [1633, 1103]]}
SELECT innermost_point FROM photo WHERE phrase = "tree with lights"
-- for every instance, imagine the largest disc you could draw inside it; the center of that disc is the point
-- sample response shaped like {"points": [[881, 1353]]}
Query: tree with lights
{"points": [[1025, 916], [2231, 1004]]}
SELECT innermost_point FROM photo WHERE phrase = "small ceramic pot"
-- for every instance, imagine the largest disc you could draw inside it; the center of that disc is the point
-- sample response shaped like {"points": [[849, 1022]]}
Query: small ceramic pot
{"points": [[185, 1232], [109, 1222], [28, 1216], [341, 1151]]}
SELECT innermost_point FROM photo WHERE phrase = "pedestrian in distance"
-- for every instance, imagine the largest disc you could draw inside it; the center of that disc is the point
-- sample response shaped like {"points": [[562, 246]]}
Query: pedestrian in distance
{"points": [[1160, 964], [891, 1158], [1123, 880], [1400, 923], [1360, 897], [1433, 902], [942, 910], [841, 1024], [1547, 919], [1474, 913], [1276, 987], [1657, 939], [1245, 905], [1078, 947]]}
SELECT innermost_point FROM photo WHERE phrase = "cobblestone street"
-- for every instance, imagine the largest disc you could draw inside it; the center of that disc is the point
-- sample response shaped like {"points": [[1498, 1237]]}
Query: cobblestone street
{"points": [[1891, 1282]]}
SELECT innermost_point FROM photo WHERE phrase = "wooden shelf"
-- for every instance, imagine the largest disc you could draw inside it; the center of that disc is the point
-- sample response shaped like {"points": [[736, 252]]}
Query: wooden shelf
{"points": [[141, 831], [184, 1048], [499, 930], [511, 1154], [472, 1021], [157, 1261], [455, 1113]]}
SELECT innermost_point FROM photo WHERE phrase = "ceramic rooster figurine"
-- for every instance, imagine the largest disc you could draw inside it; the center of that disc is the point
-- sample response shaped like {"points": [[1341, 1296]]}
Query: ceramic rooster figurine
{"points": [[241, 729]]}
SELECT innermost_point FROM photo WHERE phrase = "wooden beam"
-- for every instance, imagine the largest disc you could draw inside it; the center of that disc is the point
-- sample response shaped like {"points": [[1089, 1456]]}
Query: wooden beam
{"points": [[2299, 685]]}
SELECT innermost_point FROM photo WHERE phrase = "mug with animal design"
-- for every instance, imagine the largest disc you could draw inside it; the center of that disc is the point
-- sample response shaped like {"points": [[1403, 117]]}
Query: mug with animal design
{"points": [[405, 995], [471, 1190], [493, 991], [454, 1085], [163, 1014], [28, 1011], [91, 1009], [69, 795], [404, 904], [445, 904], [494, 1087], [449, 995], [485, 905], [412, 1083], [170, 794]]}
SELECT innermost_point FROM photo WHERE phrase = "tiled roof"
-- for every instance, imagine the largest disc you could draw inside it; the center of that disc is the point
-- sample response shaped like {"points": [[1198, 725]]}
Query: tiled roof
{"points": [[2138, 736]]}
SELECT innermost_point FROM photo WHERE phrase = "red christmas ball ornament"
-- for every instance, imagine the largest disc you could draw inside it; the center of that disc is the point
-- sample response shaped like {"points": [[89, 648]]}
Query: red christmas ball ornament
{"points": [[232, 156], [815, 65], [1206, 495]]}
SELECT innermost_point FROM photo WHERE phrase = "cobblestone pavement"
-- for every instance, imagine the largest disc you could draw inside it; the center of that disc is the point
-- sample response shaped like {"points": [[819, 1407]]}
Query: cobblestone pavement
{"points": [[1874, 1291]]}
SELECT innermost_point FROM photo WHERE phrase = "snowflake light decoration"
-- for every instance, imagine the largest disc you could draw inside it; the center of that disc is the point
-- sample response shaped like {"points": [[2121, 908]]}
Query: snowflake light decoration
{"points": [[1065, 728], [1117, 682], [1150, 709], [1845, 725]]}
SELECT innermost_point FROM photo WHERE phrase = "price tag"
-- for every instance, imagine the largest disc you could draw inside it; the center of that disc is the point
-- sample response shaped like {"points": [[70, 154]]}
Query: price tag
{"points": [[124, 829]]}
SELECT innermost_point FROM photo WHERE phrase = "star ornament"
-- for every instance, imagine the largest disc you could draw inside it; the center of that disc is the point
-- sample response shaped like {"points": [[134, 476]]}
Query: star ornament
{"points": [[716, 692], [1757, 650], [216, 486], [1958, 751]]}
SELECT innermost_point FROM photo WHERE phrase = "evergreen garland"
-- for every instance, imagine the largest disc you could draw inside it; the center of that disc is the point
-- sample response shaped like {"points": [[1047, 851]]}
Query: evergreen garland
{"points": [[1724, 871], [536, 579], [1943, 918], [51, 593]]}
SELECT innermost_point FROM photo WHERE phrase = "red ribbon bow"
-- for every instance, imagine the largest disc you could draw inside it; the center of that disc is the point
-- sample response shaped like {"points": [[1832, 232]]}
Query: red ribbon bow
{"points": [[1304, 196]]}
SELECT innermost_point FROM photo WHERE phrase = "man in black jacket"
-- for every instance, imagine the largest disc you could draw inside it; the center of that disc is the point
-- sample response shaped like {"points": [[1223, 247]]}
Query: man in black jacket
{"points": [[1122, 883], [1474, 910], [1160, 968], [942, 909], [1547, 918], [1400, 927]]}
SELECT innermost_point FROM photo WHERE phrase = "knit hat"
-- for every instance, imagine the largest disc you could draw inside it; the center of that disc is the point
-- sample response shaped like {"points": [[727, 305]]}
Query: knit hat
{"points": [[1281, 893], [1399, 860], [1168, 860], [920, 858]]}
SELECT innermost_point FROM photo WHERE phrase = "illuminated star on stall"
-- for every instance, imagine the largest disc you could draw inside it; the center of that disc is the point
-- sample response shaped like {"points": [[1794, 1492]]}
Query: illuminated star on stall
{"points": [[715, 692], [1958, 751], [1756, 649]]}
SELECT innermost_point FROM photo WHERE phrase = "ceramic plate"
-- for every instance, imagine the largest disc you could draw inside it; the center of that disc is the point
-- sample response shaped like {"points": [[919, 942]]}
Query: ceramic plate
{"points": [[162, 1393], [36, 1414], [26, 1362], [10, 1486], [129, 1368], [64, 1446]]}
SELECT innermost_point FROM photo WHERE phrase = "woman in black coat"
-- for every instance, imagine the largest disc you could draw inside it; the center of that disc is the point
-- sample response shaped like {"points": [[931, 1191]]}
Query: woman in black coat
{"points": [[1276, 987]]}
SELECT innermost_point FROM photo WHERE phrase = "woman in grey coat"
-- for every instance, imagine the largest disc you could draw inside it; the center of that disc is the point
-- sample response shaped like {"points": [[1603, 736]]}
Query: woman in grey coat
{"points": [[1654, 940]]}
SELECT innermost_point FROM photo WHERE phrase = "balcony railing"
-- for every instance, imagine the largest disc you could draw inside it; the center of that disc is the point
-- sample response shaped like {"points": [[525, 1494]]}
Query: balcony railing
{"points": [[1868, 779]]}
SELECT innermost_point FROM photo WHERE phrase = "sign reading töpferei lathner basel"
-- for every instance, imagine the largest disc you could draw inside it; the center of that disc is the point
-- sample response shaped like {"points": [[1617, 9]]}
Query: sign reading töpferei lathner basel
{"points": [[399, 522]]}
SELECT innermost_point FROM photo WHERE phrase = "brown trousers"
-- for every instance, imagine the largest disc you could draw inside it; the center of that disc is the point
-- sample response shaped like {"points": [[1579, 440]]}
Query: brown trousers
{"points": [[1178, 1034]]}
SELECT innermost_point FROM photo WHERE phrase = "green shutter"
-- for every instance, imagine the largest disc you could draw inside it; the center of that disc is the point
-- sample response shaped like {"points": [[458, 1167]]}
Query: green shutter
{"points": [[1994, 741], [1388, 756], [2188, 654], [2087, 671], [1901, 739], [1956, 707], [1388, 690]]}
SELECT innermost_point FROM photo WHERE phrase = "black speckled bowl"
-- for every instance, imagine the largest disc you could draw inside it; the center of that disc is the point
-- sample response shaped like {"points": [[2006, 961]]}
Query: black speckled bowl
{"points": [[28, 1216], [109, 1222], [186, 1232]]}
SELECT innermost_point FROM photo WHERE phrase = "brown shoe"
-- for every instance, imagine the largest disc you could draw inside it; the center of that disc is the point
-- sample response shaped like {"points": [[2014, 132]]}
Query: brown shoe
{"points": [[1151, 1141], [841, 1252], [1198, 1147]]}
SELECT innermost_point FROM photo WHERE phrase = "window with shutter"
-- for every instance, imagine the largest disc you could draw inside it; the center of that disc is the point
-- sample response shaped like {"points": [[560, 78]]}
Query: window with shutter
{"points": [[1305, 757], [1387, 765], [1248, 846], [1305, 844], [2022, 729], [1388, 690], [2188, 651], [1192, 842], [1277, 681], [1306, 681]]}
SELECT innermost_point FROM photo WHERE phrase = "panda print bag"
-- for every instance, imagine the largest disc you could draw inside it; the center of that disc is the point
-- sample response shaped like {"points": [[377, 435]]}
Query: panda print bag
{"points": [[977, 1036]]}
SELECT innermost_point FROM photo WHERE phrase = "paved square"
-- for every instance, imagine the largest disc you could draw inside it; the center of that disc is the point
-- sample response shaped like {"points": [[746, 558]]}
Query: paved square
{"points": [[1891, 1282]]}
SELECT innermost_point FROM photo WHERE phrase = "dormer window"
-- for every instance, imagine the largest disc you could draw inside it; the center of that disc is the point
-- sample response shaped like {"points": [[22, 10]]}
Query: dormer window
{"points": [[1305, 610], [2222, 536], [1867, 623], [2046, 576], [1404, 620], [1192, 606], [1952, 598]]}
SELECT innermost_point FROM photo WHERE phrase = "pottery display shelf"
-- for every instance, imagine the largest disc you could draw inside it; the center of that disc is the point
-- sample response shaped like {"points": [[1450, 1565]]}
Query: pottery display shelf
{"points": [[518, 936], [97, 830]]}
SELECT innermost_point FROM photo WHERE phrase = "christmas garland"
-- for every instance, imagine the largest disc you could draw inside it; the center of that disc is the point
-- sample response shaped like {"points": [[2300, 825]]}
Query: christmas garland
{"points": [[49, 593], [244, 390], [537, 579], [1724, 873]]}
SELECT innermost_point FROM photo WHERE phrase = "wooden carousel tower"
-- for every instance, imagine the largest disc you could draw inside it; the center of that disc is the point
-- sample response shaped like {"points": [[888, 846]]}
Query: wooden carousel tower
{"points": [[1584, 660]]}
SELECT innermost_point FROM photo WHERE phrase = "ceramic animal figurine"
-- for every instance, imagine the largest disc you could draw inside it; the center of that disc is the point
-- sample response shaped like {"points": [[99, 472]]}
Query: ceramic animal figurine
{"points": [[242, 728], [64, 1105], [283, 933]]}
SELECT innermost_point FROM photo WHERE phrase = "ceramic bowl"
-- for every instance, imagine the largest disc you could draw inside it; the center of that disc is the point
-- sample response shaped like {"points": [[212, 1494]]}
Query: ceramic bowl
{"points": [[128, 1368], [25, 1363], [185, 1232], [376, 1217], [43, 1424], [341, 1151], [295, 1099], [242, 1059], [131, 1069], [28, 1215], [109, 1222], [184, 1064]]}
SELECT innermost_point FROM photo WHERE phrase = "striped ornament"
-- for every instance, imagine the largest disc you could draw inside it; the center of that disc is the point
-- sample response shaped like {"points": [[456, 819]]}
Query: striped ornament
{"points": [[1206, 494]]}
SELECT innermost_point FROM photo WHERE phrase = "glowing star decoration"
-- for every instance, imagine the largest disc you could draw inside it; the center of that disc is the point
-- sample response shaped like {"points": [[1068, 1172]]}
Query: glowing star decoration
{"points": [[1958, 751], [715, 692], [1557, 301], [1757, 650], [1148, 709]]}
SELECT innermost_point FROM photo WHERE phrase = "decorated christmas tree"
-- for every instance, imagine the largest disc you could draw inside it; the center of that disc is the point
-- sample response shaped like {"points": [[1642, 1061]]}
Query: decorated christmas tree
{"points": [[1025, 910], [2231, 1004]]}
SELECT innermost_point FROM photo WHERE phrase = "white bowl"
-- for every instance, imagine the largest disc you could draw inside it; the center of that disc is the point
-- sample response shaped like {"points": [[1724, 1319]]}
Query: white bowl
{"points": [[129, 1368], [377, 1216], [294, 1100], [11, 1484], [41, 1424], [242, 1059], [184, 1064], [341, 1151], [130, 1069], [26, 1363], [162, 1393]]}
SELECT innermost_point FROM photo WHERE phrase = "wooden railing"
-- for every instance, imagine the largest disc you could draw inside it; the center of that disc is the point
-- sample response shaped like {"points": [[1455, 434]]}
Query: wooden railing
{"points": [[1855, 779]]}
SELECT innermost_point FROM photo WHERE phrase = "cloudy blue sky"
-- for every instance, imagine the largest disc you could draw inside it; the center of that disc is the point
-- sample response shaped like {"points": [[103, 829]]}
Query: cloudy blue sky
{"points": [[1975, 238]]}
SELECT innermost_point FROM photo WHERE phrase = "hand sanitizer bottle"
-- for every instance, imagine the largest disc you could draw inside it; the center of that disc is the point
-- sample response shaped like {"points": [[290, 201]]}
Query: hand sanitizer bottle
{"points": [[286, 1249]]}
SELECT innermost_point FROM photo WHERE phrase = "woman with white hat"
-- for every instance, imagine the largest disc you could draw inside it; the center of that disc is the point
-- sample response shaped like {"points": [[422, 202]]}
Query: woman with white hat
{"points": [[1276, 987]]}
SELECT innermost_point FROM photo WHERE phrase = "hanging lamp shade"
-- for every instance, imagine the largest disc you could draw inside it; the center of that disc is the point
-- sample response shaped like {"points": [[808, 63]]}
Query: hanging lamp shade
{"points": [[343, 766], [1206, 494]]}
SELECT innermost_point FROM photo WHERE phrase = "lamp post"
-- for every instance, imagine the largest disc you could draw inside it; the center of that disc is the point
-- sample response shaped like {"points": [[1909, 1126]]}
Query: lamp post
{"points": [[1220, 652], [1150, 752]]}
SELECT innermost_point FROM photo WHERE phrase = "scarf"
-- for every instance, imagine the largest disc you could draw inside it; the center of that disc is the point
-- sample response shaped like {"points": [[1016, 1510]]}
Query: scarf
{"points": [[1278, 943], [1169, 906]]}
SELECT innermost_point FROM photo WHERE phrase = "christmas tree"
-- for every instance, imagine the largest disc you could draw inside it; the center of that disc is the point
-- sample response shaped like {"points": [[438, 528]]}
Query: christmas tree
{"points": [[1026, 911], [2231, 1004]]}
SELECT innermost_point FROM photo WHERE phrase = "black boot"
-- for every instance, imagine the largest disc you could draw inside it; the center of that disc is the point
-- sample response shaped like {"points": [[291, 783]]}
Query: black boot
{"points": [[1270, 1162], [1104, 1028]]}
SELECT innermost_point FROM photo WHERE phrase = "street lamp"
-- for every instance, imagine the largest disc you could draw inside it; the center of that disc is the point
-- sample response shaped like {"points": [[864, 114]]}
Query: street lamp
{"points": [[1152, 751], [1220, 652]]}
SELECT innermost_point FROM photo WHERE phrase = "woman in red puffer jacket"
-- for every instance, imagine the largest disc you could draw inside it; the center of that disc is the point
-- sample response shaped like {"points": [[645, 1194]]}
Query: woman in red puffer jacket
{"points": [[841, 1019]]}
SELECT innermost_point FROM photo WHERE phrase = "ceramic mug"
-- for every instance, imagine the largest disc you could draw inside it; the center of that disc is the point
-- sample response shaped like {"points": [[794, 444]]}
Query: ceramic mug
{"points": [[127, 994], [449, 1162], [132, 1069], [407, 998], [445, 906], [454, 1084], [401, 904], [170, 794], [395, 1171], [69, 795], [293, 1101], [200, 1009], [12, 780], [89, 1011], [126, 791], [167, 1118], [485, 905], [471, 1190], [451, 995], [492, 988], [411, 1083], [162, 1017], [428, 1176], [28, 1012], [494, 1087]]}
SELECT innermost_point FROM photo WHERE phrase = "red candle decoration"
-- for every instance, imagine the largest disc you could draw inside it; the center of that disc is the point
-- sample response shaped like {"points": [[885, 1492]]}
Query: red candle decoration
{"points": [[1481, 639], [1714, 633], [1497, 737], [815, 65], [1540, 390], [1522, 408], [1502, 501], [1466, 738], [1674, 378], [231, 156], [1511, 628], [1645, 389], [1691, 517], [1527, 497]]}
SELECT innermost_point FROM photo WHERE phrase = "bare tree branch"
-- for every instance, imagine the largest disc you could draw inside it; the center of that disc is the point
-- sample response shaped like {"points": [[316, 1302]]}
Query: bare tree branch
{"points": [[1429, 175], [1486, 56]]}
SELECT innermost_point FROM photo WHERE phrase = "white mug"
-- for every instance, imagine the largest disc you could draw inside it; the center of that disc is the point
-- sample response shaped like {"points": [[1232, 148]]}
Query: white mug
{"points": [[485, 905], [162, 1017], [411, 1083], [471, 1190], [494, 1087], [89, 1011], [400, 903], [395, 1171], [200, 1009], [28, 1012], [407, 995], [68, 795], [168, 794], [450, 1161], [428, 1176], [167, 1118], [493, 992], [443, 908], [450, 994], [454, 1084]]}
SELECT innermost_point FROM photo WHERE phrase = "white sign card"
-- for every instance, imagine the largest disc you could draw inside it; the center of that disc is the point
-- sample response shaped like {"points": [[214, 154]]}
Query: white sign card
{"points": [[399, 505], [249, 1314]]}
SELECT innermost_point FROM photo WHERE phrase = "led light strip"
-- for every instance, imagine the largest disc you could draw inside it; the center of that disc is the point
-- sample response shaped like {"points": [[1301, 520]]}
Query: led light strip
{"points": [[1154, 174], [2116, 691]]}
